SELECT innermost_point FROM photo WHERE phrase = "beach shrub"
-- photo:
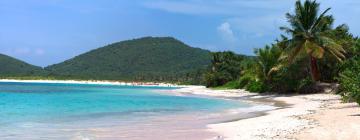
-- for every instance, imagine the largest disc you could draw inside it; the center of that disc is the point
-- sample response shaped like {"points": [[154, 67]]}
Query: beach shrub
{"points": [[349, 78], [287, 78], [243, 81], [256, 86], [230, 85], [350, 81], [307, 85], [215, 79]]}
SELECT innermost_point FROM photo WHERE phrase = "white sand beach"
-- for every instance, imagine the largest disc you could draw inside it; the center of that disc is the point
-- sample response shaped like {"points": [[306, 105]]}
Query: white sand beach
{"points": [[309, 117]]}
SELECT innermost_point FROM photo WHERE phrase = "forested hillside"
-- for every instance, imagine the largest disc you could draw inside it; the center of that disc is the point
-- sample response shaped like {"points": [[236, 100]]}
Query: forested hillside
{"points": [[144, 59], [11, 67]]}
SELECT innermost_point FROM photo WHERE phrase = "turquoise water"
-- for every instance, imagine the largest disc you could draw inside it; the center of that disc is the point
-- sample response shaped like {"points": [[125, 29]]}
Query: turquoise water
{"points": [[53, 105]]}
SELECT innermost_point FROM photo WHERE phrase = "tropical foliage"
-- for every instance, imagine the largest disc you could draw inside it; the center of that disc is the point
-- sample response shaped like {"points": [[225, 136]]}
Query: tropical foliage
{"points": [[309, 33], [312, 51], [350, 81], [225, 67], [350, 76], [268, 61]]}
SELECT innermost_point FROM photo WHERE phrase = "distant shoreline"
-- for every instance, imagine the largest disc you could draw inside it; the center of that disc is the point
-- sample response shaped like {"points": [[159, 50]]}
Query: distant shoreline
{"points": [[98, 82]]}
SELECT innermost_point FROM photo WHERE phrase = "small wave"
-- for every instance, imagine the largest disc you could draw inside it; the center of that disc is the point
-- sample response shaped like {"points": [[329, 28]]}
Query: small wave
{"points": [[29, 124], [256, 108]]}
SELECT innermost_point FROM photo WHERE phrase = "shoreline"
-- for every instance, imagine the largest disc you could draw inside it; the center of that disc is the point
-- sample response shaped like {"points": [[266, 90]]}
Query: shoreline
{"points": [[226, 116], [97, 82], [193, 125], [312, 116]]}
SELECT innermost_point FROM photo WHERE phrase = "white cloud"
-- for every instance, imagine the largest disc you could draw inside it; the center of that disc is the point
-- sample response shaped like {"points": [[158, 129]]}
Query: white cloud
{"points": [[226, 32], [258, 26], [21, 51]]}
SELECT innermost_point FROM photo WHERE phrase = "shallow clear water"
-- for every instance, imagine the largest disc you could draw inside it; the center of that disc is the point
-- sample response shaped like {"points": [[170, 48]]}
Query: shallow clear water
{"points": [[31, 110]]}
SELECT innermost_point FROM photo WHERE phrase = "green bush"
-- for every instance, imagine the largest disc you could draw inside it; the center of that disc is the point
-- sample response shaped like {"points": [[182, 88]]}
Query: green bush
{"points": [[244, 80], [230, 85], [256, 86], [307, 85], [215, 79], [350, 82], [287, 79]]}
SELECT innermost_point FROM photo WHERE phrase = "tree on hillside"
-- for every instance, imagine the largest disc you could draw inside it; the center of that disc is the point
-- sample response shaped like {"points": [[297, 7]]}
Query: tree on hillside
{"points": [[309, 36]]}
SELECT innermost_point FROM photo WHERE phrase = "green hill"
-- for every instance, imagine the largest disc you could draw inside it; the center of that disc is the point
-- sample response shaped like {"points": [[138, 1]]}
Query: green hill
{"points": [[144, 59], [11, 67]]}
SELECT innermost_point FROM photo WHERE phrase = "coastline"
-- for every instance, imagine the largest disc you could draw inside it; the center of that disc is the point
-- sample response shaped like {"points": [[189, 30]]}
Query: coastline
{"points": [[192, 125], [96, 82], [312, 116]]}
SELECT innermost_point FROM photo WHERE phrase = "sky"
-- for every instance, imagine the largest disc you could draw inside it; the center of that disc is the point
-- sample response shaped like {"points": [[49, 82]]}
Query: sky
{"points": [[45, 32]]}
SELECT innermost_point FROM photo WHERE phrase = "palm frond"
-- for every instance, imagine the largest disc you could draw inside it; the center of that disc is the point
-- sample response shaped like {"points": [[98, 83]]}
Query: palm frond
{"points": [[313, 49], [334, 48], [287, 30], [320, 19]]}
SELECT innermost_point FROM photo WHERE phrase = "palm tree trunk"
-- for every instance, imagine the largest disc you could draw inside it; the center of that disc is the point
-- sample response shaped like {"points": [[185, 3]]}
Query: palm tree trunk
{"points": [[315, 74]]}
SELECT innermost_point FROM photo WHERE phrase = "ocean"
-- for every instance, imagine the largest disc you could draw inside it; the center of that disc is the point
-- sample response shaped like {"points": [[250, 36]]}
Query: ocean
{"points": [[89, 111]]}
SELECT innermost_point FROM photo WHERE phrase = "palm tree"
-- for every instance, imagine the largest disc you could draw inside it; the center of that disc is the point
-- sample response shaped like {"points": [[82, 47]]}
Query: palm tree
{"points": [[309, 36], [267, 60]]}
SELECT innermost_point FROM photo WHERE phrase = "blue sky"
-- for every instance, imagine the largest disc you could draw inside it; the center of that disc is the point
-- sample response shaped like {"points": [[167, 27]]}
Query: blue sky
{"points": [[44, 32]]}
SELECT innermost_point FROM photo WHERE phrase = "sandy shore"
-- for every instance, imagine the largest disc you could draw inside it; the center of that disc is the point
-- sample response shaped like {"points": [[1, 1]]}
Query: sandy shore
{"points": [[309, 117]]}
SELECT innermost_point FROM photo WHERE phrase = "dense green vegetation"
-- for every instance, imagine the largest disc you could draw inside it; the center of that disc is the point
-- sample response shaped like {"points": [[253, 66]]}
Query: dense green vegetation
{"points": [[225, 67], [350, 77], [144, 59], [311, 51], [11, 67]]}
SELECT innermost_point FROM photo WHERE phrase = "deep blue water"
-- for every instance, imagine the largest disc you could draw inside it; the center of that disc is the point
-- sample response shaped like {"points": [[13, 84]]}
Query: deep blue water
{"points": [[54, 104]]}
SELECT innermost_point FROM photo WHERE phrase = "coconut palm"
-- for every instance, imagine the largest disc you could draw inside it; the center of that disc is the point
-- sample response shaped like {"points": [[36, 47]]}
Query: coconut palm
{"points": [[267, 60], [309, 36], [225, 67]]}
